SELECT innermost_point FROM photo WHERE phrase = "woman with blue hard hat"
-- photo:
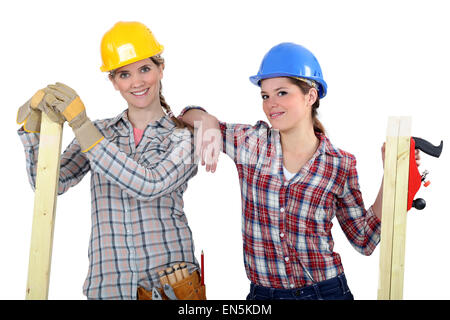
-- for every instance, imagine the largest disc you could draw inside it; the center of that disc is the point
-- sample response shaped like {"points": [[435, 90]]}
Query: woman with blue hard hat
{"points": [[294, 181]]}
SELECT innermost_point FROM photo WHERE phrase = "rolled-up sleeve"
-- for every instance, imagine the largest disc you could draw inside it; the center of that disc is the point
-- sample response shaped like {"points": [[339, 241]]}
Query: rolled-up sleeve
{"points": [[361, 227]]}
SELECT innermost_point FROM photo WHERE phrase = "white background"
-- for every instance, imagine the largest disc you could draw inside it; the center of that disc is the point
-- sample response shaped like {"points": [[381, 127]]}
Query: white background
{"points": [[379, 58]]}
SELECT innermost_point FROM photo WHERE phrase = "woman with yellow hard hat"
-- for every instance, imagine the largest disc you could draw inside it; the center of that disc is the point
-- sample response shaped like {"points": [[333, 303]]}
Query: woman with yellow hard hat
{"points": [[140, 163]]}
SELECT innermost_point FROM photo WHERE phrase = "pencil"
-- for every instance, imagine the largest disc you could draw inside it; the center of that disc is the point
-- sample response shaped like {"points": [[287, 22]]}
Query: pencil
{"points": [[202, 269]]}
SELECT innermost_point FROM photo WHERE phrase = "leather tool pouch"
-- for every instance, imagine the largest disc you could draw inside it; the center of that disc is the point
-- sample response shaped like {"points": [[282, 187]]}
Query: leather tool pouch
{"points": [[189, 288]]}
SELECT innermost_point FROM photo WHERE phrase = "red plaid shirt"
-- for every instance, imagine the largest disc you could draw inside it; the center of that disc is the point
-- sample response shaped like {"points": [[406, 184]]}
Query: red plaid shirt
{"points": [[286, 225]]}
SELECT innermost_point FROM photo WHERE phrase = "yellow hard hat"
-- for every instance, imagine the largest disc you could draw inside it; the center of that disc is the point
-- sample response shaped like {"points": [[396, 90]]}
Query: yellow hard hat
{"points": [[127, 42]]}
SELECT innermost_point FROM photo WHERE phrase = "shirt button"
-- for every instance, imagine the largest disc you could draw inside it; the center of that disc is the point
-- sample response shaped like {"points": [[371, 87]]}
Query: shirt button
{"points": [[291, 285], [286, 183], [282, 210], [282, 235], [286, 259]]}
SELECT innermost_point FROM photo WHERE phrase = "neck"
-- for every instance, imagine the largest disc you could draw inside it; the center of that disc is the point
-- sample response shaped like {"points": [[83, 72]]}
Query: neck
{"points": [[299, 140], [141, 117]]}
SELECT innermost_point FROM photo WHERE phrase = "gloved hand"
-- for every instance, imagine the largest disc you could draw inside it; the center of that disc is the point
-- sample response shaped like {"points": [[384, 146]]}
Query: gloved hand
{"points": [[67, 102], [30, 113]]}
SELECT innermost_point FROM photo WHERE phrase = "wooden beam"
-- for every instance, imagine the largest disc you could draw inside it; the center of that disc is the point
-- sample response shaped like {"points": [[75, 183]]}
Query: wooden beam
{"points": [[394, 209], [387, 218], [400, 214], [47, 178]]}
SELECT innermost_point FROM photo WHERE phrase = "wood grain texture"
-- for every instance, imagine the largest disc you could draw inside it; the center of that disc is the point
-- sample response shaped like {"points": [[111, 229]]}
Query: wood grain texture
{"points": [[394, 209], [47, 177]]}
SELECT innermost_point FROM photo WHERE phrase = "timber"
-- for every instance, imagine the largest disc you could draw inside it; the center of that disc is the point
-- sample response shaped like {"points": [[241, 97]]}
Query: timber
{"points": [[394, 209], [47, 177]]}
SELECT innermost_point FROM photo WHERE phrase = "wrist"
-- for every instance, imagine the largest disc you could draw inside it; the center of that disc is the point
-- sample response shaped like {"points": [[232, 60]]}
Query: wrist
{"points": [[87, 135]]}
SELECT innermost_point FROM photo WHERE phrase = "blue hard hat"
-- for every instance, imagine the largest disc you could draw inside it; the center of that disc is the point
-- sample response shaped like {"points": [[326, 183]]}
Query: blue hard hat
{"points": [[288, 59]]}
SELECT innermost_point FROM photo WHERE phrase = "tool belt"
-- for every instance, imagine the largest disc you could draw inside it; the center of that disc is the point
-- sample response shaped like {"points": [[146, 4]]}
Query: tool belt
{"points": [[188, 288]]}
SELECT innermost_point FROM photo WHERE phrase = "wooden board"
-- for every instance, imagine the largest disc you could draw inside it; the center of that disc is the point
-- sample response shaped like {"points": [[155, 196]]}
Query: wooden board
{"points": [[394, 209], [47, 178]]}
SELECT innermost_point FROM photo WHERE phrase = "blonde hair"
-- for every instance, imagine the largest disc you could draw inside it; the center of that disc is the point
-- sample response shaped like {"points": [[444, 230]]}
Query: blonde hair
{"points": [[159, 61]]}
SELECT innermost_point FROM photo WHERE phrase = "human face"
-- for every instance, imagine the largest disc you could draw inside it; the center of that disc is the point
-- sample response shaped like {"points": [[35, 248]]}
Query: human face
{"points": [[139, 83], [284, 104]]}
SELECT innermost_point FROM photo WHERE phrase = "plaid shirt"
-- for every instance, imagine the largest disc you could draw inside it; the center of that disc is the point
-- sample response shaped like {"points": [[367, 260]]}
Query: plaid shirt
{"points": [[138, 223], [286, 225]]}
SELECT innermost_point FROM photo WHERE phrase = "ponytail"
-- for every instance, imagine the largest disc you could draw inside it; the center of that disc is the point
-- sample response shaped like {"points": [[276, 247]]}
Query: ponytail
{"points": [[159, 61]]}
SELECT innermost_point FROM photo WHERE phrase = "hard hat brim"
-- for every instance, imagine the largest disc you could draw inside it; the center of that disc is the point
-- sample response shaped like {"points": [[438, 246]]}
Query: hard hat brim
{"points": [[104, 68], [256, 80]]}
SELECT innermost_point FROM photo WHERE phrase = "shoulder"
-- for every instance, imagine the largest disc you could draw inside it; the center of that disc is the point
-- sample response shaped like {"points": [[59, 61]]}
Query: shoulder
{"points": [[113, 124], [259, 129], [102, 123], [345, 159]]}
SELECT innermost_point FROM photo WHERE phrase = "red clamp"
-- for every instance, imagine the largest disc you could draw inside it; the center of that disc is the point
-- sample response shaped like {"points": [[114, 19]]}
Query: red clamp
{"points": [[415, 178]]}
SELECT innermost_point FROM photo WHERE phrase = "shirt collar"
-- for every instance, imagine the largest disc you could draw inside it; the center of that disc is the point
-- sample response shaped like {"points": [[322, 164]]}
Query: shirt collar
{"points": [[325, 146], [124, 126]]}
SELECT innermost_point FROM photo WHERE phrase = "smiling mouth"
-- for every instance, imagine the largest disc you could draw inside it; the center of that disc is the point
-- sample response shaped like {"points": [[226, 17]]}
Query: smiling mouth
{"points": [[276, 115], [140, 93]]}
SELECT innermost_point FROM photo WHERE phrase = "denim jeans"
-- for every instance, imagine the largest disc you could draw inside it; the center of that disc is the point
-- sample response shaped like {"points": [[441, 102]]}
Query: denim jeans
{"points": [[331, 289]]}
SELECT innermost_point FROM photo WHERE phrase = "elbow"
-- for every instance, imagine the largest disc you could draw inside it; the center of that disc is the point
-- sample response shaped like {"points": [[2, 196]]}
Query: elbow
{"points": [[366, 247], [367, 252]]}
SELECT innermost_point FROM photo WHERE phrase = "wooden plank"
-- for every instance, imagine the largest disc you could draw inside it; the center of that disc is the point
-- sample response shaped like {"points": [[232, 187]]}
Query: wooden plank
{"points": [[388, 207], [400, 213], [47, 178]]}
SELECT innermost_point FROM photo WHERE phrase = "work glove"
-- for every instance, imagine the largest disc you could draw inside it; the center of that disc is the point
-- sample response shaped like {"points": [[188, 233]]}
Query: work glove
{"points": [[66, 101], [30, 113]]}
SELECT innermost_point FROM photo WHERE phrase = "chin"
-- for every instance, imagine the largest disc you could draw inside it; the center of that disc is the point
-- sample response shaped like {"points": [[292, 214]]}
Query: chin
{"points": [[277, 125]]}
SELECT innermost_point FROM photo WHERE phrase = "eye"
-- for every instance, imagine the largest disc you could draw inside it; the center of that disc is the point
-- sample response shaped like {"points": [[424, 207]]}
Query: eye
{"points": [[124, 75], [281, 93], [145, 69], [264, 96]]}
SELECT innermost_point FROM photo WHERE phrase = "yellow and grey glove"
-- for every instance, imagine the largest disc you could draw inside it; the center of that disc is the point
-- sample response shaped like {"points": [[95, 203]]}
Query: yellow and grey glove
{"points": [[30, 113], [66, 101]]}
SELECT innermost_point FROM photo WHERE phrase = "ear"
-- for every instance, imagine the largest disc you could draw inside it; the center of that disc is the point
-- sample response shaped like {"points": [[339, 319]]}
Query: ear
{"points": [[161, 71], [312, 96], [113, 81]]}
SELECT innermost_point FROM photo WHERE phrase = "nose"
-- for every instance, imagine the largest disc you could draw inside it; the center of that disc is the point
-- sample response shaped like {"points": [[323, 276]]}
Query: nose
{"points": [[271, 102], [136, 81]]}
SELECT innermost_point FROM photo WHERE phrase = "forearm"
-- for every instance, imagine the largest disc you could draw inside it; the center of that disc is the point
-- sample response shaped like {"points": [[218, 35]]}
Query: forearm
{"points": [[145, 183], [73, 165], [195, 115], [378, 204]]}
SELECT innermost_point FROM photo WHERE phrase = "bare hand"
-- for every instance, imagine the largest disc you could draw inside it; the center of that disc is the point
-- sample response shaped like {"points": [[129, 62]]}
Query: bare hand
{"points": [[417, 155], [208, 142]]}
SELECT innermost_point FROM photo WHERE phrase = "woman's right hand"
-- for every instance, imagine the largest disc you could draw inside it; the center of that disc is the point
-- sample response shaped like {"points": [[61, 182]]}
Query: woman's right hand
{"points": [[208, 139], [209, 142], [207, 135]]}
